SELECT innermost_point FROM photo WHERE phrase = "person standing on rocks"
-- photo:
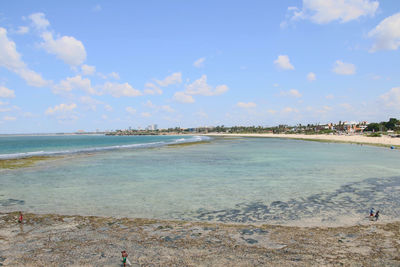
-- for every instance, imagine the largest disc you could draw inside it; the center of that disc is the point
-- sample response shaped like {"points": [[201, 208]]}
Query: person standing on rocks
{"points": [[371, 214], [125, 258], [20, 218]]}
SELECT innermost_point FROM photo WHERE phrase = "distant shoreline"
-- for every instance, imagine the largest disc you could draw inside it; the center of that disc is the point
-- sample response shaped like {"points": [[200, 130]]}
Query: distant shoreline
{"points": [[353, 139]]}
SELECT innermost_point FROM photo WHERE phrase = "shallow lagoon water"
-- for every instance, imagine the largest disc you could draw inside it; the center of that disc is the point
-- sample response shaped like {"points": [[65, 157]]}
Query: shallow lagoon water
{"points": [[228, 179]]}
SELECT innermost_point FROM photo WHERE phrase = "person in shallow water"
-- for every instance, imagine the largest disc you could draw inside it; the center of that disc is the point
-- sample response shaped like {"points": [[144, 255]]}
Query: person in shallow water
{"points": [[371, 213], [377, 215]]}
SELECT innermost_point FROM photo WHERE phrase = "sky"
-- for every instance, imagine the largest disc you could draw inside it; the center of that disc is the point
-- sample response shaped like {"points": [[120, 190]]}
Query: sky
{"points": [[87, 65]]}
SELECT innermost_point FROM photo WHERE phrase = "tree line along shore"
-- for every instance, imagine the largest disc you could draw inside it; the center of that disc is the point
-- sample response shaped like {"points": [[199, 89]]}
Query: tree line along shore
{"points": [[391, 127]]}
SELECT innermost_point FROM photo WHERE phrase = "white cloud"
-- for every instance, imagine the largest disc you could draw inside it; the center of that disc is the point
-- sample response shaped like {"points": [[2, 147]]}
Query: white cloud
{"points": [[130, 110], [152, 89], [183, 98], [114, 75], [290, 110], [246, 105], [145, 114], [9, 57], [167, 109], [271, 111], [275, 85], [32, 78], [200, 87], [9, 118], [96, 8], [375, 77], [386, 34], [39, 21], [22, 30], [11, 60], [62, 108], [391, 98], [28, 115], [76, 82], [66, 48], [346, 106], [311, 76], [324, 109], [6, 93], [343, 68], [88, 70], [201, 114], [120, 89], [325, 11], [174, 78], [90, 102], [199, 63], [149, 104], [327, 108], [330, 96], [283, 62], [5, 107], [292, 93], [108, 107]]}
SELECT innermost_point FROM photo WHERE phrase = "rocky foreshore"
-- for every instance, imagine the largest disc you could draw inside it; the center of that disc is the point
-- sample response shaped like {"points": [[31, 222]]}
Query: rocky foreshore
{"points": [[56, 240]]}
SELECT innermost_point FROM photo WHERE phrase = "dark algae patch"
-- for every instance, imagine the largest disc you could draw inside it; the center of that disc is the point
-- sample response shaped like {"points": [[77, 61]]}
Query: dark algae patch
{"points": [[189, 144], [11, 202], [380, 193], [21, 162]]}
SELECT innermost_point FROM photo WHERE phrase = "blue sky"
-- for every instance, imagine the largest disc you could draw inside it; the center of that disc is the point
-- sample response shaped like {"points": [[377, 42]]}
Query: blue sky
{"points": [[103, 65]]}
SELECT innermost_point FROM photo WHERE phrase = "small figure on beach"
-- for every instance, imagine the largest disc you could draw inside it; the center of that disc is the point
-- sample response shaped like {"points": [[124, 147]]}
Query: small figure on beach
{"points": [[371, 213], [377, 215], [125, 258], [20, 218]]}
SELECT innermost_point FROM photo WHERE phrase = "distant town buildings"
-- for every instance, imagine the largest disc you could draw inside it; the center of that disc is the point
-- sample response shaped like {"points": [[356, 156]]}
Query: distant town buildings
{"points": [[391, 127], [152, 127]]}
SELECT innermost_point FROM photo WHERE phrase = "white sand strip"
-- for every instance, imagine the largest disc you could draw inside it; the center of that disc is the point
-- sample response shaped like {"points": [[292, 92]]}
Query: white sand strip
{"points": [[383, 140]]}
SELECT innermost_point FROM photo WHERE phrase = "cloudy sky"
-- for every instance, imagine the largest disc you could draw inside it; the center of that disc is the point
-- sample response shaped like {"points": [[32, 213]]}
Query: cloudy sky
{"points": [[69, 65]]}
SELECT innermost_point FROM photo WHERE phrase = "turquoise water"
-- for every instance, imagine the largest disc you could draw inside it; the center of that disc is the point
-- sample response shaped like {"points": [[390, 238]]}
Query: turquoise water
{"points": [[23, 146], [235, 179]]}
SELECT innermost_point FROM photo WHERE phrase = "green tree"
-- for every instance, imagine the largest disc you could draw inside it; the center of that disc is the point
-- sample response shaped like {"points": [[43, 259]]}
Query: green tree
{"points": [[373, 127], [391, 124]]}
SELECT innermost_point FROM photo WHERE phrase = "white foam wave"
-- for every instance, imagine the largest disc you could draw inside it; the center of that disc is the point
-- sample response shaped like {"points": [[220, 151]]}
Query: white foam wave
{"points": [[98, 149]]}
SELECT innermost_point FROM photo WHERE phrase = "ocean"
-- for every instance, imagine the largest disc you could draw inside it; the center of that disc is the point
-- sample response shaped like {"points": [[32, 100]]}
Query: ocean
{"points": [[236, 179]]}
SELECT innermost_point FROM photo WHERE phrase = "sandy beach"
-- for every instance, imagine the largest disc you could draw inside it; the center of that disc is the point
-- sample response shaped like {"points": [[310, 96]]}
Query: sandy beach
{"points": [[55, 240], [356, 139]]}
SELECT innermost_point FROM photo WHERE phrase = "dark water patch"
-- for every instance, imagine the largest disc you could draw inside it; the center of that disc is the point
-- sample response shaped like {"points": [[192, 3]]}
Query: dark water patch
{"points": [[11, 202], [250, 241], [381, 193]]}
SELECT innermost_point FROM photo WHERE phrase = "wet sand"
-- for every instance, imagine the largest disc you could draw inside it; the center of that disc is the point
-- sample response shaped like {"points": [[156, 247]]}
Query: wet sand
{"points": [[55, 240]]}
